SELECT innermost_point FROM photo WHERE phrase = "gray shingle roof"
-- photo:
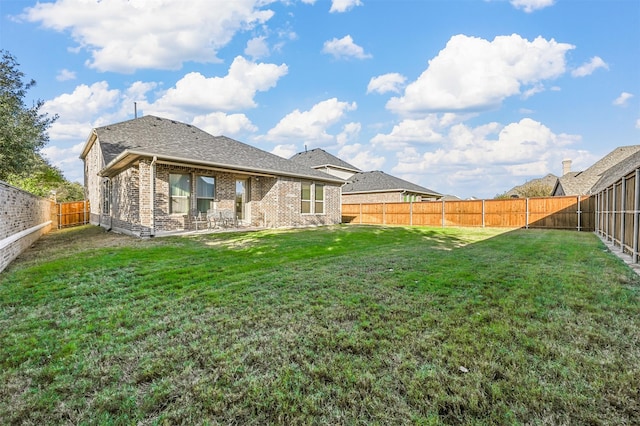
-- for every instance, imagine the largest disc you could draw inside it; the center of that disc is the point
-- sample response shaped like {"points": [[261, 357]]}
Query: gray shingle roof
{"points": [[320, 158], [614, 173], [581, 183], [170, 139], [378, 181]]}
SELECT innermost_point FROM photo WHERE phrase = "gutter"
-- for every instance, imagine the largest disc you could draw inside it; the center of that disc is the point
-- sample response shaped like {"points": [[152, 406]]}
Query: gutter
{"points": [[107, 170]]}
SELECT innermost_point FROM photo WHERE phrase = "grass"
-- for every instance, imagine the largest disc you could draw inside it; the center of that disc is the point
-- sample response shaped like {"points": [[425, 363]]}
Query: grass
{"points": [[339, 325]]}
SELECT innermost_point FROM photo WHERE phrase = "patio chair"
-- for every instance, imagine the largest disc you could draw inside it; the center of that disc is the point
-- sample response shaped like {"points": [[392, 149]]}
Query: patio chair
{"points": [[197, 218], [228, 218], [214, 219]]}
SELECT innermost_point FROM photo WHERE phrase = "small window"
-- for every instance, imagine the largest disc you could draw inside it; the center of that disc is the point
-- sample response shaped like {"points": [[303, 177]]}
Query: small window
{"points": [[106, 197], [305, 207], [319, 198], [205, 193], [180, 190], [312, 198]]}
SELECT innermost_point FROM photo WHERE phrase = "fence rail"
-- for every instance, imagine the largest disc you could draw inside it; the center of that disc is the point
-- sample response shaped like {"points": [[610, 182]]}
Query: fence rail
{"points": [[618, 214], [575, 212], [73, 213]]}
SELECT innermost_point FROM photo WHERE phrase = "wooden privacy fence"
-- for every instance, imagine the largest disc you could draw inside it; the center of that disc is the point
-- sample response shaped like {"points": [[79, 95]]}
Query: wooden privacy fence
{"points": [[618, 213], [575, 212], [73, 213]]}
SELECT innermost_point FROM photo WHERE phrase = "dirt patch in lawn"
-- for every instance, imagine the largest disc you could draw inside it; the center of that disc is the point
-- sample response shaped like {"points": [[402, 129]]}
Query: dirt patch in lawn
{"points": [[63, 242]]}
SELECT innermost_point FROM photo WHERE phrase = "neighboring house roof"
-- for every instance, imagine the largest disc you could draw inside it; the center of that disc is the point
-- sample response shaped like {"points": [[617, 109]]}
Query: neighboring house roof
{"points": [[318, 158], [614, 174], [581, 183], [170, 140], [378, 181], [548, 181]]}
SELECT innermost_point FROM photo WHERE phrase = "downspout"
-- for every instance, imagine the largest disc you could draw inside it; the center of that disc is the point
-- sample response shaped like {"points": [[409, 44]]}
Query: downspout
{"points": [[152, 231]]}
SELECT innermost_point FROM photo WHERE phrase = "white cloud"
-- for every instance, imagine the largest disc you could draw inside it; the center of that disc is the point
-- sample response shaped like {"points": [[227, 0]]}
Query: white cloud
{"points": [[78, 109], [494, 155], [344, 48], [312, 125], [589, 67], [638, 123], [344, 5], [257, 48], [350, 132], [285, 151], [66, 75], [408, 131], [531, 5], [123, 36], [472, 73], [219, 123], [391, 82], [361, 157], [67, 159], [233, 92], [622, 99]]}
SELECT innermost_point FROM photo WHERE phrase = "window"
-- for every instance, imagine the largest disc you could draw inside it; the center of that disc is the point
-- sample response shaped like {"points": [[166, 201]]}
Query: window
{"points": [[312, 198], [180, 189], [106, 196], [205, 193], [305, 207], [319, 198]]}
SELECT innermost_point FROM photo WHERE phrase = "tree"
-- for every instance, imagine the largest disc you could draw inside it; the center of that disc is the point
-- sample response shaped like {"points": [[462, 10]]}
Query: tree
{"points": [[47, 181], [23, 130]]}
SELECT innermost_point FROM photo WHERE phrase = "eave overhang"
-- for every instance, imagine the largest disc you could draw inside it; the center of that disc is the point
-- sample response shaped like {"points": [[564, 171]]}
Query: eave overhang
{"points": [[128, 157]]}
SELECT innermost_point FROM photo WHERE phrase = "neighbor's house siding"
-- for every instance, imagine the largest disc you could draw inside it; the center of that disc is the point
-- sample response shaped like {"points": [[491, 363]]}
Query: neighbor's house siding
{"points": [[24, 217], [374, 197]]}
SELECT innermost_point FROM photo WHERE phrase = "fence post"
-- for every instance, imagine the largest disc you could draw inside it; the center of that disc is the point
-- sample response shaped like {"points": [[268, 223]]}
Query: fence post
{"points": [[384, 213], [483, 222], [360, 213], [579, 213], [526, 215], [613, 216], [636, 218], [443, 213], [411, 213], [623, 208]]}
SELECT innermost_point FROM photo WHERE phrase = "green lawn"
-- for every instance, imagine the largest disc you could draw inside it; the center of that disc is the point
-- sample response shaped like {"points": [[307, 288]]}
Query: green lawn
{"points": [[339, 325]]}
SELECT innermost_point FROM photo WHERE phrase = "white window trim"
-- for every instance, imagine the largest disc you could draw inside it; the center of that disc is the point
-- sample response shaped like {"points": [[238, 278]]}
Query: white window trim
{"points": [[312, 200]]}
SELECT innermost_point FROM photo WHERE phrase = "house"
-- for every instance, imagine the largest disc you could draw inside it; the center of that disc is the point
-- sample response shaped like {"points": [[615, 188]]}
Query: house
{"points": [[365, 187], [613, 174], [540, 187], [581, 183], [320, 159], [151, 175]]}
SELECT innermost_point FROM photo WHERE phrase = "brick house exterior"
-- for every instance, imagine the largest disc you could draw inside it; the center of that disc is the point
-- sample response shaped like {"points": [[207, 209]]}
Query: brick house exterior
{"points": [[129, 167], [365, 187]]}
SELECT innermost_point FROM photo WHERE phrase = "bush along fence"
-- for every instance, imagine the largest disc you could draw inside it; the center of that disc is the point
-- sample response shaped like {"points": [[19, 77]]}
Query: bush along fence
{"points": [[24, 218], [574, 212], [618, 213]]}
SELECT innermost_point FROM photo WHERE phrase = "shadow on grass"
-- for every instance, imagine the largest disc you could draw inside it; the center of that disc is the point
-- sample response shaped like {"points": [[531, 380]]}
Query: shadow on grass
{"points": [[345, 324]]}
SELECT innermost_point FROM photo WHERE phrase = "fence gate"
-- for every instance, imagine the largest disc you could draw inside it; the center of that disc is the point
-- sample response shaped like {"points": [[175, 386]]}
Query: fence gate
{"points": [[73, 213]]}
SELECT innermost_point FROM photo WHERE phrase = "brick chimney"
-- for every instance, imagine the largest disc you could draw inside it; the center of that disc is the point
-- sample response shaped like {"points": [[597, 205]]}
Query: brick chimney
{"points": [[566, 167]]}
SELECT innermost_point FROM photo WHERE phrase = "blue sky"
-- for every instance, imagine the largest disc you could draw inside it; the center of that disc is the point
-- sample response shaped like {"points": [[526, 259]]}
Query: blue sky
{"points": [[468, 98]]}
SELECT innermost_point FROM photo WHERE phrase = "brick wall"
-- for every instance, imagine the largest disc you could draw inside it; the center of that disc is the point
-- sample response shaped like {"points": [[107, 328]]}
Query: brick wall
{"points": [[374, 197], [23, 219]]}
